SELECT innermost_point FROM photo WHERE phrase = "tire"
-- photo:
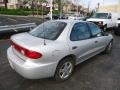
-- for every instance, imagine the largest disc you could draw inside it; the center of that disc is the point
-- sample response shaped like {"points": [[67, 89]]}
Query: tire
{"points": [[64, 69], [115, 33], [109, 48], [115, 30]]}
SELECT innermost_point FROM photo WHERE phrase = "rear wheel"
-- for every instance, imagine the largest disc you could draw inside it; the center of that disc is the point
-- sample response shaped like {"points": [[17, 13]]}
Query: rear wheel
{"points": [[64, 69]]}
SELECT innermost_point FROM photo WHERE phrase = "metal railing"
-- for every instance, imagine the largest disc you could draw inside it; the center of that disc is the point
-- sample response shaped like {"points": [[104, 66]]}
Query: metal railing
{"points": [[18, 27]]}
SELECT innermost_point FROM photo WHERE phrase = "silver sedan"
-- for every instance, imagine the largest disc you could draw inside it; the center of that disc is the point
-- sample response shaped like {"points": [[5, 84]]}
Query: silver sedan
{"points": [[53, 48]]}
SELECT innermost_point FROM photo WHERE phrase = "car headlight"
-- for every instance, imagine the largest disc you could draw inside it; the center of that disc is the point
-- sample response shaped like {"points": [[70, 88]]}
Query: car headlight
{"points": [[101, 22]]}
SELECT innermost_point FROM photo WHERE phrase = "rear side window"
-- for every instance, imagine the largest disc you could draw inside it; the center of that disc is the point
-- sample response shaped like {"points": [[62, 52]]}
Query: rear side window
{"points": [[80, 31], [49, 30], [94, 29]]}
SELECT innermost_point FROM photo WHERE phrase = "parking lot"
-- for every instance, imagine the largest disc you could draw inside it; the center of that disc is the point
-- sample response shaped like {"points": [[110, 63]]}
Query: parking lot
{"points": [[12, 20], [101, 72]]}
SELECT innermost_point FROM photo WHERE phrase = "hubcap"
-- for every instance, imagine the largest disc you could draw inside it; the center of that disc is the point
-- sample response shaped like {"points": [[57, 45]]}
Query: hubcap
{"points": [[65, 70], [110, 47]]}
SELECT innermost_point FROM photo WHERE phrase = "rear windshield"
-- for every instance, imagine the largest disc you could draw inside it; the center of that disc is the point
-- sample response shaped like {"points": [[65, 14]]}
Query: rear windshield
{"points": [[49, 30]]}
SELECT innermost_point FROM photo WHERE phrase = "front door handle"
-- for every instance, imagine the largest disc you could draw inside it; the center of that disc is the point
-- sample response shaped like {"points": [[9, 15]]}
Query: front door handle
{"points": [[96, 41], [74, 47]]}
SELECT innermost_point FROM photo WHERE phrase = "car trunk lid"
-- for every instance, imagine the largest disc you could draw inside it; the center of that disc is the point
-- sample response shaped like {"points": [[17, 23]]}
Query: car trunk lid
{"points": [[25, 41]]}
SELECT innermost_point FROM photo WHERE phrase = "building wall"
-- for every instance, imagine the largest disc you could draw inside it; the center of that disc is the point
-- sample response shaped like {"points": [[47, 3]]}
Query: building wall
{"points": [[110, 8], [2, 3], [1, 0], [12, 1], [13, 4]]}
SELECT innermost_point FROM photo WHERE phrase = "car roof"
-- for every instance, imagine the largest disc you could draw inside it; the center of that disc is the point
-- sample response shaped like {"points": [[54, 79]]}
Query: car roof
{"points": [[69, 21]]}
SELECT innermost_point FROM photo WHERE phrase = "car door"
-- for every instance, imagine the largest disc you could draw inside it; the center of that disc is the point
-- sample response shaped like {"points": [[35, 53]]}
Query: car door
{"points": [[80, 42], [110, 20], [100, 39]]}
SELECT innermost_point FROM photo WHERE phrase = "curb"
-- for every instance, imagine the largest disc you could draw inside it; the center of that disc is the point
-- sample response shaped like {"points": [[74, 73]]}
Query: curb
{"points": [[21, 16]]}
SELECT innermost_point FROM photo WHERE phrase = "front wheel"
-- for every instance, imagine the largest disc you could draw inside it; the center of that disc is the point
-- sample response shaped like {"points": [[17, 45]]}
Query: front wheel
{"points": [[64, 69], [109, 48]]}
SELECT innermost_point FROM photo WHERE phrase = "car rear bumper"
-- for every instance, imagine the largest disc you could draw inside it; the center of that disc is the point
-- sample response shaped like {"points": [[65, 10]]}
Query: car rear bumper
{"points": [[29, 69]]}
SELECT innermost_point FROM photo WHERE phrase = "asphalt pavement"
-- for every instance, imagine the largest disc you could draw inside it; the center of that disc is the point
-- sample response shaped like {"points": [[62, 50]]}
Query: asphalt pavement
{"points": [[101, 72], [12, 20]]}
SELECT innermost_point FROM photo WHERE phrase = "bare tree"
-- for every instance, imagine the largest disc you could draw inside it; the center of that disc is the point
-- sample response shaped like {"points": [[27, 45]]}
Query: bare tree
{"points": [[5, 2], [59, 2]]}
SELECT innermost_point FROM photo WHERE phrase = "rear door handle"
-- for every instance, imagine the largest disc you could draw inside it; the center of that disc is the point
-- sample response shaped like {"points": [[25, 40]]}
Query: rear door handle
{"points": [[74, 47]]}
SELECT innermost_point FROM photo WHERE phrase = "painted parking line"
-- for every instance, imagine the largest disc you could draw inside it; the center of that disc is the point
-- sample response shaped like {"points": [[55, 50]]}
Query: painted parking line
{"points": [[4, 40], [12, 19], [26, 19]]}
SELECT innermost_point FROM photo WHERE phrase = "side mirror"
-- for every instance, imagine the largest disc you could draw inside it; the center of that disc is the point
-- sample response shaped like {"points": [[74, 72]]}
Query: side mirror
{"points": [[99, 35], [109, 17], [105, 33]]}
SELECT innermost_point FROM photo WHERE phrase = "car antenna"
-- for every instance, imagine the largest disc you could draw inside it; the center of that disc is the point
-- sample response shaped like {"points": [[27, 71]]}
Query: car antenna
{"points": [[43, 24]]}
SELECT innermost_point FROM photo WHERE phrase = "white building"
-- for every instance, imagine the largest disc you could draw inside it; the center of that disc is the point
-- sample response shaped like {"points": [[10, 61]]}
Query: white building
{"points": [[2, 3], [13, 4]]}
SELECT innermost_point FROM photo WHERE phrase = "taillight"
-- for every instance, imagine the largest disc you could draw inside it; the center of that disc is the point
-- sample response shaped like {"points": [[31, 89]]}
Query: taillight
{"points": [[33, 54], [26, 52]]}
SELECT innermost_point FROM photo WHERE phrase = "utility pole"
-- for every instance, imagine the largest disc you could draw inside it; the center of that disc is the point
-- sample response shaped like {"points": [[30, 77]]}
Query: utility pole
{"points": [[32, 7], [88, 6], [51, 9], [103, 2]]}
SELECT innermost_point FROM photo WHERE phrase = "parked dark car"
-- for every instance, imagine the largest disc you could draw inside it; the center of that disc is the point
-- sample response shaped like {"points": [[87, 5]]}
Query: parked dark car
{"points": [[57, 16]]}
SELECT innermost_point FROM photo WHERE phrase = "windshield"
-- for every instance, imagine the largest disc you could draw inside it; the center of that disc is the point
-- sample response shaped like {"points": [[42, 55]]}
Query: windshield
{"points": [[49, 30], [100, 15]]}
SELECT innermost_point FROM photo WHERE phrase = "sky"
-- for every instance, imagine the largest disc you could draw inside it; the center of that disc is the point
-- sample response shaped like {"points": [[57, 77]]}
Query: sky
{"points": [[93, 3]]}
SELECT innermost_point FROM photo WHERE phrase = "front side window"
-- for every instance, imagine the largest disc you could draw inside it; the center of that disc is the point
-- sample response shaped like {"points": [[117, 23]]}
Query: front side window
{"points": [[49, 30], [80, 31], [94, 29]]}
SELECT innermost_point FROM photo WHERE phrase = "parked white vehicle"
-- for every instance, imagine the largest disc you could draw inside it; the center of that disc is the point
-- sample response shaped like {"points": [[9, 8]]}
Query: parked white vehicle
{"points": [[104, 20], [76, 17], [53, 48]]}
